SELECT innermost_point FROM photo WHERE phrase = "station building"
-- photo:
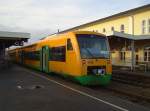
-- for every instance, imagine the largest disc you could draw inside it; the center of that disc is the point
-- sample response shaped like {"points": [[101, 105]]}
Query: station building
{"points": [[129, 36]]}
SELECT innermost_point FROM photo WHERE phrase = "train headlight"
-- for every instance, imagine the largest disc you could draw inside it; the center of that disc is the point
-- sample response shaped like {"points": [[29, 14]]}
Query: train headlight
{"points": [[101, 71]]}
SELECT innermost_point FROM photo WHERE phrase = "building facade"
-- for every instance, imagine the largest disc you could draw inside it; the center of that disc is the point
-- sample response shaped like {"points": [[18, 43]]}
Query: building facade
{"points": [[129, 36]]}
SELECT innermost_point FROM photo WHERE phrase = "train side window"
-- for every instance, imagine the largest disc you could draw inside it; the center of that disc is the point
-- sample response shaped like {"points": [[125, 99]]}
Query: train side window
{"points": [[34, 55], [58, 54], [69, 45]]}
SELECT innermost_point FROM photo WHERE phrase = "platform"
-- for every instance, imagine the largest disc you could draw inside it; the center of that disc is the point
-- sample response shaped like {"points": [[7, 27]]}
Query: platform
{"points": [[26, 90]]}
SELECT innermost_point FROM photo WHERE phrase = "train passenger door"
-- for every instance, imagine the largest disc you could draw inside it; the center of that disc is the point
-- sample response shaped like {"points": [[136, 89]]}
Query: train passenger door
{"points": [[44, 59]]}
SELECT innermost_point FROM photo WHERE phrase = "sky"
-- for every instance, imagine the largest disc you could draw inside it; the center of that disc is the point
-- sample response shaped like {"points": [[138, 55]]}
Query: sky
{"points": [[44, 17]]}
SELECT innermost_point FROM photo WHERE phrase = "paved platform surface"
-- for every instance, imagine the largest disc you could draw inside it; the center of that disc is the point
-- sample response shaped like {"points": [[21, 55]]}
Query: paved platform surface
{"points": [[22, 89]]}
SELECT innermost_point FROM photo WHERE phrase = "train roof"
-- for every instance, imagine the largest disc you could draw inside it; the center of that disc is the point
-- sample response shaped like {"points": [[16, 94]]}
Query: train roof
{"points": [[54, 36], [75, 32]]}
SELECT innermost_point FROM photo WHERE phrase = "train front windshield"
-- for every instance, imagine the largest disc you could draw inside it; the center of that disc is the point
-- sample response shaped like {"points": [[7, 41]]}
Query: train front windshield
{"points": [[93, 46]]}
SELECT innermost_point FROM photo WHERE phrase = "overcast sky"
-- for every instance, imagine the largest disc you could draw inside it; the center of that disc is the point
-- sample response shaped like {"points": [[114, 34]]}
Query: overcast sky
{"points": [[43, 17]]}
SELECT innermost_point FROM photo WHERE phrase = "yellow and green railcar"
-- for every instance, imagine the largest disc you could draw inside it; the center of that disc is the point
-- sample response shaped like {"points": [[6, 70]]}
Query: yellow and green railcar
{"points": [[84, 56]]}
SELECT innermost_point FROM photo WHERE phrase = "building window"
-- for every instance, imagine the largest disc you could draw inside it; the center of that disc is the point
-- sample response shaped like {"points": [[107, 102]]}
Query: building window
{"points": [[122, 28], [58, 54], [148, 25], [147, 54], [143, 27], [104, 30], [112, 29], [123, 55]]}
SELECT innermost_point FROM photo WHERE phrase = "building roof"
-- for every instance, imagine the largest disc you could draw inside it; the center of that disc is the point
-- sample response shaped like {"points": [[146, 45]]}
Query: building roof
{"points": [[109, 17], [129, 36], [12, 35], [8, 39]]}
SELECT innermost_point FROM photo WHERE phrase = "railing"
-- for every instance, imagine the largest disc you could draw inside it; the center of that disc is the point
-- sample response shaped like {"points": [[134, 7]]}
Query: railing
{"points": [[145, 65]]}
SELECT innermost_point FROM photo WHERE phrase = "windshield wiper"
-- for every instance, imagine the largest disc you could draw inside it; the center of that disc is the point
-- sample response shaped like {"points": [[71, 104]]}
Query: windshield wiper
{"points": [[89, 52]]}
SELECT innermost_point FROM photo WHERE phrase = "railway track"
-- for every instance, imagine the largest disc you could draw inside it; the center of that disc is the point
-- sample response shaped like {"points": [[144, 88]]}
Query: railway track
{"points": [[132, 78], [131, 84], [133, 92], [129, 92]]}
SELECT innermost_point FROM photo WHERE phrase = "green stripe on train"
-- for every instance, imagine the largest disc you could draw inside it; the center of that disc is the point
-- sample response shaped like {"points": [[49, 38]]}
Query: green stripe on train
{"points": [[90, 79], [94, 79], [33, 67], [83, 80]]}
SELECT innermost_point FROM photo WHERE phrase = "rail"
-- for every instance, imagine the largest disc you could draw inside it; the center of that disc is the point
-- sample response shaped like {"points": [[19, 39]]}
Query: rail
{"points": [[133, 78]]}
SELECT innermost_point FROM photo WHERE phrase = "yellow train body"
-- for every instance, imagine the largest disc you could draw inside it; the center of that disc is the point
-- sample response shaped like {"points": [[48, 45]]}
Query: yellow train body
{"points": [[62, 54]]}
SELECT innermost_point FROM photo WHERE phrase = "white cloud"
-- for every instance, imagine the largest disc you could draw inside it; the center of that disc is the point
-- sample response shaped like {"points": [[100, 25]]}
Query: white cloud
{"points": [[42, 17]]}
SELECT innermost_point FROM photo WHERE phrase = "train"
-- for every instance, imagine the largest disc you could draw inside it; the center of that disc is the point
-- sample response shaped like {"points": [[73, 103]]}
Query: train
{"points": [[82, 56]]}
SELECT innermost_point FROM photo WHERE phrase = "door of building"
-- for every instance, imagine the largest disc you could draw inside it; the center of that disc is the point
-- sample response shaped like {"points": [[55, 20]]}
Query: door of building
{"points": [[147, 54], [137, 59]]}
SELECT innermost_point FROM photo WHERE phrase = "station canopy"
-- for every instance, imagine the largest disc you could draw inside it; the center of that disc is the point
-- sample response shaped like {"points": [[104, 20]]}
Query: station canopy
{"points": [[8, 39], [114, 34]]}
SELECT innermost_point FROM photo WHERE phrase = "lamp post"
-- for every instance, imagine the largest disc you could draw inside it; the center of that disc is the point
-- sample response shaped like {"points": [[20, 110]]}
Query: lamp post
{"points": [[132, 55], [132, 46]]}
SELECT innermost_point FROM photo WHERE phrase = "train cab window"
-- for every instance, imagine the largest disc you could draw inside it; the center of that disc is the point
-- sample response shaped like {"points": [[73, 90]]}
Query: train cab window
{"points": [[69, 45], [93, 46]]}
